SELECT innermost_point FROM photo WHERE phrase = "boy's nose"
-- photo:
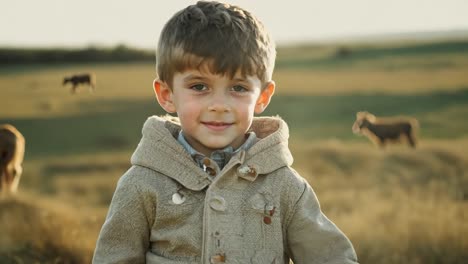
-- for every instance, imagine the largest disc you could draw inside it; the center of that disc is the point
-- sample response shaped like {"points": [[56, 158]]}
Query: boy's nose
{"points": [[219, 107], [219, 103]]}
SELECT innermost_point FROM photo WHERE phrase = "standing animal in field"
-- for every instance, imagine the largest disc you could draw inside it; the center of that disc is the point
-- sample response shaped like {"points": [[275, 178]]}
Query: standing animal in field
{"points": [[11, 158], [382, 130], [81, 79]]}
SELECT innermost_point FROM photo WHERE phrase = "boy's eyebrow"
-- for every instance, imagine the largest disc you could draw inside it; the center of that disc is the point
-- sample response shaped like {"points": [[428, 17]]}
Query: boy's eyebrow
{"points": [[240, 79], [192, 77]]}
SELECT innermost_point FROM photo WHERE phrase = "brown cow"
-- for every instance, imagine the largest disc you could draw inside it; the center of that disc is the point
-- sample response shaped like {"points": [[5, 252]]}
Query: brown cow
{"points": [[85, 79], [11, 157], [383, 130]]}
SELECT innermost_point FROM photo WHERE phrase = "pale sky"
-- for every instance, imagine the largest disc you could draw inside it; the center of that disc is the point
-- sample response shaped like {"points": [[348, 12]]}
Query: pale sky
{"points": [[138, 22]]}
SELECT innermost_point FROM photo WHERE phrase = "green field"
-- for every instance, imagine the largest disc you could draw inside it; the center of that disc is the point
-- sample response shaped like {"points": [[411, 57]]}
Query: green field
{"points": [[397, 205]]}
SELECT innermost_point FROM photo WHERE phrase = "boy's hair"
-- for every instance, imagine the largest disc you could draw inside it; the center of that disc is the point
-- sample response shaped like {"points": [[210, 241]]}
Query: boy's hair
{"points": [[226, 37]]}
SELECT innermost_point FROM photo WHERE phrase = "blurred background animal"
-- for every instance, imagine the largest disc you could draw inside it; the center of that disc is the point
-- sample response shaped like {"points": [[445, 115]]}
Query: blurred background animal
{"points": [[386, 129], [12, 145], [81, 79]]}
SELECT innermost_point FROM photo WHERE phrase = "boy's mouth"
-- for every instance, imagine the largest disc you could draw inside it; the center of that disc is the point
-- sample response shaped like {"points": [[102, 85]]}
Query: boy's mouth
{"points": [[214, 125]]}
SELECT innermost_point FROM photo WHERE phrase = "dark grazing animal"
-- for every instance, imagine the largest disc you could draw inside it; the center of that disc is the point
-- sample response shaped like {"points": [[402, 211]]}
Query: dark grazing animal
{"points": [[382, 130], [85, 79], [11, 158]]}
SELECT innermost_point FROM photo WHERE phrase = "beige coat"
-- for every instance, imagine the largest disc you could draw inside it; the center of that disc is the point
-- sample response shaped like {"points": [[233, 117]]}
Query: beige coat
{"points": [[257, 209]]}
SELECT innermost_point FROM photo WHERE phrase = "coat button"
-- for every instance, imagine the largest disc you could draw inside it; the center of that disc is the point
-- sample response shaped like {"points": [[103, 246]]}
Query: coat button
{"points": [[208, 167], [218, 258], [247, 171], [218, 203], [178, 198]]}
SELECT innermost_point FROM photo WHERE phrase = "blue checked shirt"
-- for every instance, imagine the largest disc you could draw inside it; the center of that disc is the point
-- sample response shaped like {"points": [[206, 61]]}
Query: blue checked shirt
{"points": [[222, 156]]}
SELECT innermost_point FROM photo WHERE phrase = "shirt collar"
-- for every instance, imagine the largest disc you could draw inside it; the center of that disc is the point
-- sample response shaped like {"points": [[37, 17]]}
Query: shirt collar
{"points": [[221, 156]]}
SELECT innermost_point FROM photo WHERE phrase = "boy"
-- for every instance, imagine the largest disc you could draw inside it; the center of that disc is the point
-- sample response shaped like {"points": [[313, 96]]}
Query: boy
{"points": [[215, 184]]}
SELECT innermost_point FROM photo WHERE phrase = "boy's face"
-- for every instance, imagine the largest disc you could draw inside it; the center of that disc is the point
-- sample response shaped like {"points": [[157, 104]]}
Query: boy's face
{"points": [[215, 111]]}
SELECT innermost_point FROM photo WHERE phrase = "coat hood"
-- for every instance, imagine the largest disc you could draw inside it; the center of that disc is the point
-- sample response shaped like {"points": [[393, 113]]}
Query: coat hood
{"points": [[160, 151]]}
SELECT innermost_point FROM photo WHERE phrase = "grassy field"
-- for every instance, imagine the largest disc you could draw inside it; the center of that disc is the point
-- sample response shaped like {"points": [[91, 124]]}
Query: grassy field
{"points": [[397, 205]]}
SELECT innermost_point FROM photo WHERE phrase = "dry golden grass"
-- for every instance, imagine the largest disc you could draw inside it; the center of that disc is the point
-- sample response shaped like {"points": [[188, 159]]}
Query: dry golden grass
{"points": [[40, 93], [398, 205], [38, 231], [60, 209], [409, 81]]}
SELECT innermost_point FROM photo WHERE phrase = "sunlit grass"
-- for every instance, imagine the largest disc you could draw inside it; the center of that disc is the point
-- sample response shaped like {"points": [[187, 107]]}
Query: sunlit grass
{"points": [[365, 81], [35, 230], [397, 205]]}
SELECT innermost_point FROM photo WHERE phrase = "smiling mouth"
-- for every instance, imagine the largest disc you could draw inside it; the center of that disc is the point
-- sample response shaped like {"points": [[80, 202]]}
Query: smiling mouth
{"points": [[217, 125]]}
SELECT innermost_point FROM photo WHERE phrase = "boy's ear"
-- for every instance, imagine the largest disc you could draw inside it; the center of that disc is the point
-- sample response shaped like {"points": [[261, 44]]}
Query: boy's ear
{"points": [[265, 97], [164, 96]]}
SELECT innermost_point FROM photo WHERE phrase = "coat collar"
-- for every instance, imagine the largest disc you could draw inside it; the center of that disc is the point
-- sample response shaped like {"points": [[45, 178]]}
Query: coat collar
{"points": [[160, 151]]}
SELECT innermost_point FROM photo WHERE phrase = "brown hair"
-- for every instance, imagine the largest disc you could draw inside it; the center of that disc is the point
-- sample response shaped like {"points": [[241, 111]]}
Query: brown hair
{"points": [[226, 37]]}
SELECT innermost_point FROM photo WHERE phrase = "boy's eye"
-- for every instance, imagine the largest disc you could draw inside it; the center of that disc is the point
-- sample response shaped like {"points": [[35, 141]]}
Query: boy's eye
{"points": [[239, 88], [198, 87]]}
